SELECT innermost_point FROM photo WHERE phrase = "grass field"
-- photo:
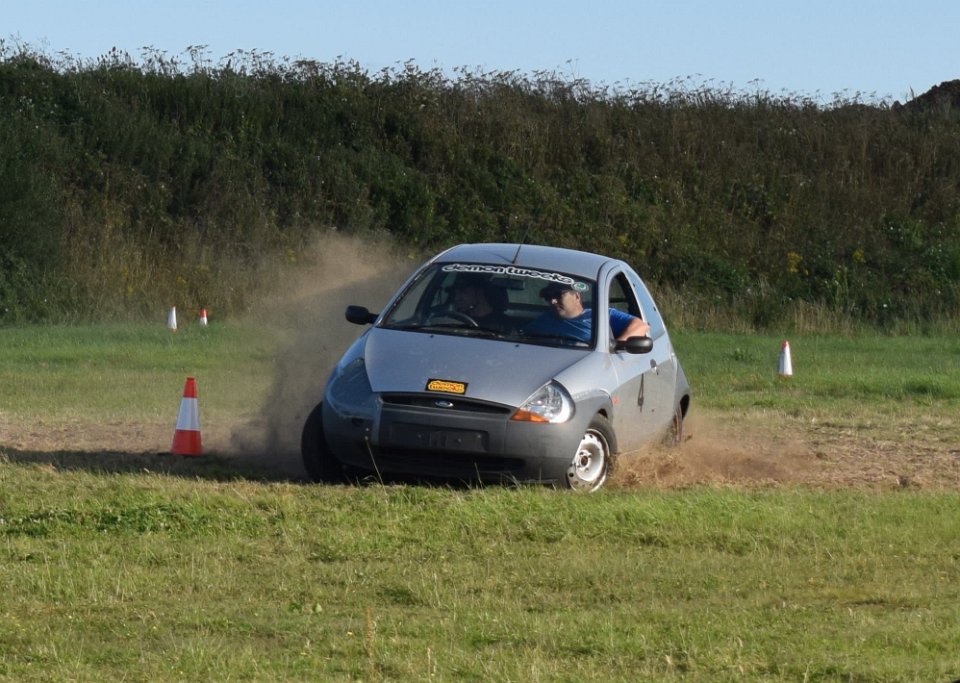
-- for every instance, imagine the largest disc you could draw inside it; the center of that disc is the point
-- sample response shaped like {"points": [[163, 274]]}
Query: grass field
{"points": [[121, 564]]}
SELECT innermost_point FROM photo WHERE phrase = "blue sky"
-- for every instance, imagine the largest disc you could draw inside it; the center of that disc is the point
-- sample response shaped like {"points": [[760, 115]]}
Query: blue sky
{"points": [[880, 50]]}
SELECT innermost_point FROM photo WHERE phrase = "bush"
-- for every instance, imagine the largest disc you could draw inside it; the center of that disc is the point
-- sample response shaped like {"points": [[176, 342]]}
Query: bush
{"points": [[122, 180]]}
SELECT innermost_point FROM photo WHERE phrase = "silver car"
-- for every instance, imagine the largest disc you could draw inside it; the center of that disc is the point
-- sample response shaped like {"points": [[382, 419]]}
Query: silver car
{"points": [[475, 371]]}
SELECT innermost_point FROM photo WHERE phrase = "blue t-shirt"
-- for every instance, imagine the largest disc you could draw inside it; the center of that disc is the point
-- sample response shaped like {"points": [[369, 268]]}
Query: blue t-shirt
{"points": [[579, 327]]}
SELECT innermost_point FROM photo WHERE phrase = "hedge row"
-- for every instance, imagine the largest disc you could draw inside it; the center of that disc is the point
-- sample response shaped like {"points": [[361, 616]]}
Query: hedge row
{"points": [[128, 183]]}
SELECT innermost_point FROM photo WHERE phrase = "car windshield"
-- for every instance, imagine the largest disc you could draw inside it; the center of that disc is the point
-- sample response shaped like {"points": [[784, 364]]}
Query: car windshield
{"points": [[526, 305]]}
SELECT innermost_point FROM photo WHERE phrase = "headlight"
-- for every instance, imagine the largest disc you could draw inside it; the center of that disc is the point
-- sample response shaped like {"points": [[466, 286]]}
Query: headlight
{"points": [[353, 375], [550, 403], [349, 392]]}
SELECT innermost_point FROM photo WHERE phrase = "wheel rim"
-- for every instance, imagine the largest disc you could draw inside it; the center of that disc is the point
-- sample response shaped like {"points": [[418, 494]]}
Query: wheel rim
{"points": [[588, 470]]}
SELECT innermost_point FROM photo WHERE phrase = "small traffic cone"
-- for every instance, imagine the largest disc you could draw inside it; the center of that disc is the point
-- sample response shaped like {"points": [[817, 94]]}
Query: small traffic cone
{"points": [[785, 365], [203, 317], [186, 438], [172, 319]]}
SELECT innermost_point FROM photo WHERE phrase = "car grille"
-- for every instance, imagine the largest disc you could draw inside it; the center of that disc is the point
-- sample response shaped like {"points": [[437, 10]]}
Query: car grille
{"points": [[433, 402], [444, 436]]}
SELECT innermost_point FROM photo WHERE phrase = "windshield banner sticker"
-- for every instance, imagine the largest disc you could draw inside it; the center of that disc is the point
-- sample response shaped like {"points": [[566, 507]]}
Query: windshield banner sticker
{"points": [[507, 270]]}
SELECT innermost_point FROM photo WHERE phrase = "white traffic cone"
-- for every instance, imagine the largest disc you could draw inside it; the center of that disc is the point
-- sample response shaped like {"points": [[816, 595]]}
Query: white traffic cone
{"points": [[785, 366], [203, 317], [172, 319], [186, 437]]}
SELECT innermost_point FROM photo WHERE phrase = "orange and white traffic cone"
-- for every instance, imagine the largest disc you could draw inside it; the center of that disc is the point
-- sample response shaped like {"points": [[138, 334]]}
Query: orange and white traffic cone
{"points": [[186, 438], [172, 319], [203, 317], [785, 365]]}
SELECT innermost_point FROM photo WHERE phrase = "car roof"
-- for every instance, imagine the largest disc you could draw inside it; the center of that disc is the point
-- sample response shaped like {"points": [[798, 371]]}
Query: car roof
{"points": [[581, 263]]}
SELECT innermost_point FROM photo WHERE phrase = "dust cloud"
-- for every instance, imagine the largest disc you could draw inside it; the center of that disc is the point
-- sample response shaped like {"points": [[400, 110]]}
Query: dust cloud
{"points": [[307, 308], [770, 449], [722, 451]]}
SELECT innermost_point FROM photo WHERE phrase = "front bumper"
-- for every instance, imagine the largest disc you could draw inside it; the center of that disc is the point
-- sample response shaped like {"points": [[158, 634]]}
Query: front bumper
{"points": [[455, 438]]}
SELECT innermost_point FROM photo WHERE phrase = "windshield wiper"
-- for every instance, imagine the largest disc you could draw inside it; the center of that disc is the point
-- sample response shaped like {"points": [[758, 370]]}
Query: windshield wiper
{"points": [[451, 327], [403, 326], [563, 338]]}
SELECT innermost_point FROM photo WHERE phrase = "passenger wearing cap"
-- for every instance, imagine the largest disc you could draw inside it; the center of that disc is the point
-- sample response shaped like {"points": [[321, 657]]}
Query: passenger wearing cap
{"points": [[568, 317]]}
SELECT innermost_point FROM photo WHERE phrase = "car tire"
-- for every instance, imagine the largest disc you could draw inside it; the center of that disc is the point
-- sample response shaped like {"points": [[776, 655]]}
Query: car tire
{"points": [[674, 435], [321, 464], [591, 464]]}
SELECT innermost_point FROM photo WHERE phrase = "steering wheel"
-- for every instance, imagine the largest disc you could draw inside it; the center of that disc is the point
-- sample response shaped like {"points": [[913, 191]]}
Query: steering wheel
{"points": [[458, 316]]}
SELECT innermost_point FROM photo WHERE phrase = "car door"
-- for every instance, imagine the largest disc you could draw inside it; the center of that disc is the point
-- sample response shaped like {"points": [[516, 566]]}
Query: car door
{"points": [[643, 399]]}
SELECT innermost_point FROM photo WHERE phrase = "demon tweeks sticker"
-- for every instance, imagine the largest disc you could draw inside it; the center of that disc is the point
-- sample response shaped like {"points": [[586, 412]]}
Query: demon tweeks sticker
{"points": [[446, 386]]}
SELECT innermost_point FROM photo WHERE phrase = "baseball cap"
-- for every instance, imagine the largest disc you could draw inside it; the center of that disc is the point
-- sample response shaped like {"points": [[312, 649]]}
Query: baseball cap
{"points": [[555, 289]]}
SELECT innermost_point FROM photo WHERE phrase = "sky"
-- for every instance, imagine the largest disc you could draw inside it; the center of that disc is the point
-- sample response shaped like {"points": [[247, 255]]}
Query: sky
{"points": [[872, 51]]}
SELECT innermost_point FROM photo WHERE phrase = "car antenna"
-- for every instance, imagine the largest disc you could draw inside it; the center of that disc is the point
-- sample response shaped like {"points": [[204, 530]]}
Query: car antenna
{"points": [[519, 246]]}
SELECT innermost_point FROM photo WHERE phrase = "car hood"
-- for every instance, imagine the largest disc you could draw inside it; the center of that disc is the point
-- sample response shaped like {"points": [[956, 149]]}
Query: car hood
{"points": [[498, 371]]}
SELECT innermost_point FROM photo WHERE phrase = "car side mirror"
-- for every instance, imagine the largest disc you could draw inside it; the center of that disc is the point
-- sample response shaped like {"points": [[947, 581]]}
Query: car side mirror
{"points": [[635, 345], [359, 315]]}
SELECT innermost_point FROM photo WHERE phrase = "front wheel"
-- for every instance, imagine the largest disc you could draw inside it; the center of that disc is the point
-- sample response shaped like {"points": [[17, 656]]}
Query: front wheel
{"points": [[321, 464], [591, 464]]}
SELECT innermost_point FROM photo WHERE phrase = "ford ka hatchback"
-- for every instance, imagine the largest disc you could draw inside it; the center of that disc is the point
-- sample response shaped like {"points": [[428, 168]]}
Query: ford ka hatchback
{"points": [[500, 363]]}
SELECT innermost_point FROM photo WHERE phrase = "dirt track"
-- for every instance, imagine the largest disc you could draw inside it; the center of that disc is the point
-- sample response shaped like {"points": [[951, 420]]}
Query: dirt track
{"points": [[716, 452], [744, 450], [769, 451]]}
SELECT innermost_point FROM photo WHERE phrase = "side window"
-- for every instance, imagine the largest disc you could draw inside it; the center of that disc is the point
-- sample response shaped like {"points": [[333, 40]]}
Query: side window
{"points": [[622, 297], [651, 314]]}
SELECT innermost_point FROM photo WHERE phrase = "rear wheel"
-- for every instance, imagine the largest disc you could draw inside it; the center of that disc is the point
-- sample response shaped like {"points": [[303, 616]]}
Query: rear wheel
{"points": [[674, 434], [591, 464], [321, 464]]}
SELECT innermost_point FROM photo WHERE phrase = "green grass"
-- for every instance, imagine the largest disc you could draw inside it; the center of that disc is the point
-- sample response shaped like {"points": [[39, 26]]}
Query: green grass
{"points": [[130, 370], [185, 580], [838, 371], [892, 385], [208, 573]]}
